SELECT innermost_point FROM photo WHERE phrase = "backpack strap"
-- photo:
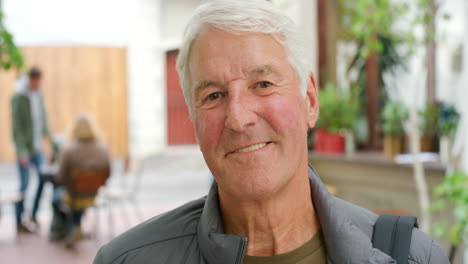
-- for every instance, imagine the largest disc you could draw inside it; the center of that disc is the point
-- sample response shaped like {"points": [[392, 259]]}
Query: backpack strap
{"points": [[392, 235]]}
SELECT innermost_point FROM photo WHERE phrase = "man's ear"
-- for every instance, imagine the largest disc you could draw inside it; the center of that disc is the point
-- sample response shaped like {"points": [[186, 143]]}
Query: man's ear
{"points": [[312, 102]]}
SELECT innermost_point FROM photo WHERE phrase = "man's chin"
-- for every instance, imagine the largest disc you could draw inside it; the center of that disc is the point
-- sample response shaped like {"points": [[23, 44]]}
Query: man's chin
{"points": [[251, 189]]}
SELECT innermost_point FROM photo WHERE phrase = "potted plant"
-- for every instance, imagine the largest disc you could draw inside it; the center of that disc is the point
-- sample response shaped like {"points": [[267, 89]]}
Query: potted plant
{"points": [[428, 125], [448, 124], [338, 114], [452, 195], [393, 115]]}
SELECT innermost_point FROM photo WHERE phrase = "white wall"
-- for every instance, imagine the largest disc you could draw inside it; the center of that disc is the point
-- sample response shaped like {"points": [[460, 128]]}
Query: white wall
{"points": [[463, 98], [146, 94], [304, 14], [68, 22], [175, 17], [309, 24], [155, 27]]}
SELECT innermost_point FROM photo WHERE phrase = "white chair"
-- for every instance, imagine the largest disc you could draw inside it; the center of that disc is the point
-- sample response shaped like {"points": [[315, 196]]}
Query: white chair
{"points": [[11, 199], [122, 192]]}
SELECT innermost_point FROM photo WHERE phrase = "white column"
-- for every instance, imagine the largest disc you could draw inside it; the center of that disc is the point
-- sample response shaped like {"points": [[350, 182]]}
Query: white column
{"points": [[309, 23], [146, 87], [464, 95], [465, 110], [304, 14]]}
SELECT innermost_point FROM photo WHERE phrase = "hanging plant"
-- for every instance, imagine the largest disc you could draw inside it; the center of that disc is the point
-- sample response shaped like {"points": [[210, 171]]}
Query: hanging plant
{"points": [[10, 55]]}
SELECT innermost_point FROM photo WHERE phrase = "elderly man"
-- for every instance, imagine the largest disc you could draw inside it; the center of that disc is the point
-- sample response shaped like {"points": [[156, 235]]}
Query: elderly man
{"points": [[247, 81]]}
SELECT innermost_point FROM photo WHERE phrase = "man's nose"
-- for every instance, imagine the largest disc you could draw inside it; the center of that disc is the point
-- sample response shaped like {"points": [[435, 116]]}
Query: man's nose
{"points": [[240, 112]]}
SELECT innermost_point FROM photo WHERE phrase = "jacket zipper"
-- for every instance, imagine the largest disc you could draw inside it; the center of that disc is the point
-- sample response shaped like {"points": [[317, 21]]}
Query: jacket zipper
{"points": [[240, 256]]}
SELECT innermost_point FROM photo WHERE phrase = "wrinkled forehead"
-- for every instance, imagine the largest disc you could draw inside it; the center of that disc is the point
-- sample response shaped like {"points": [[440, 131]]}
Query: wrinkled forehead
{"points": [[214, 48]]}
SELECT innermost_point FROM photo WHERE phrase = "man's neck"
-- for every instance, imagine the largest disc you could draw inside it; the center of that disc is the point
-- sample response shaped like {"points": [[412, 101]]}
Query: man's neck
{"points": [[275, 225]]}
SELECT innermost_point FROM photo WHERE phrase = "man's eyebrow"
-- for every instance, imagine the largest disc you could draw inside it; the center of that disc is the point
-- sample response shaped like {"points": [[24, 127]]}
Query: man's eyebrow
{"points": [[264, 70], [258, 71]]}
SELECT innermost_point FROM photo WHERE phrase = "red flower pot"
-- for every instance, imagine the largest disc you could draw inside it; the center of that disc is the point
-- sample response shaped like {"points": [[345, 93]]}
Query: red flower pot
{"points": [[329, 143]]}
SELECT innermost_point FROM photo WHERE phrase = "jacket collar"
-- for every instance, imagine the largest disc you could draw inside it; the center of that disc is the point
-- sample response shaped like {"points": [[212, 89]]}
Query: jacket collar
{"points": [[217, 247], [344, 241]]}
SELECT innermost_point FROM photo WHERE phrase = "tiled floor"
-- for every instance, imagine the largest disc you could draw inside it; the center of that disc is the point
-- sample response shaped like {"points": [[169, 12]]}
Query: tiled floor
{"points": [[36, 248]]}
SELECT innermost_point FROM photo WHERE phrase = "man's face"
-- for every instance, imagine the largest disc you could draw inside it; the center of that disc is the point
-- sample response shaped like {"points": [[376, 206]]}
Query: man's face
{"points": [[34, 83], [249, 114]]}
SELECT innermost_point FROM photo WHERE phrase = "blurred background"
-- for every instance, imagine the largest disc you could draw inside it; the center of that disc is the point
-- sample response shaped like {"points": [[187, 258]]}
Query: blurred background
{"points": [[392, 133]]}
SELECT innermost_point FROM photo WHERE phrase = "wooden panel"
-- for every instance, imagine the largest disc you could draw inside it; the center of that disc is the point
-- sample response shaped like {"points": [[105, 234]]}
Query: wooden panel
{"points": [[6, 90], [372, 86], [179, 127], [75, 79], [322, 42]]}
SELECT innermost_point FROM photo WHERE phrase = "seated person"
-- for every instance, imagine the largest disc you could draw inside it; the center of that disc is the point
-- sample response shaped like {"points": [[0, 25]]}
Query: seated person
{"points": [[84, 166]]}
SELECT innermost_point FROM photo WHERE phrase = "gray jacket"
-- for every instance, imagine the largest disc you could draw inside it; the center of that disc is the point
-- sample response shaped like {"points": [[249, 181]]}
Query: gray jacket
{"points": [[193, 233]]}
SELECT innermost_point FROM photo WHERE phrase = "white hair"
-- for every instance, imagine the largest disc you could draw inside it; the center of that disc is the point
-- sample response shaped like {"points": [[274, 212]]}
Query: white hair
{"points": [[243, 17]]}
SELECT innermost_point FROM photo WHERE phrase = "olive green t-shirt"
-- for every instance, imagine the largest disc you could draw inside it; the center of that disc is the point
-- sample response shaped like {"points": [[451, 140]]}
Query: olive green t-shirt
{"points": [[311, 252]]}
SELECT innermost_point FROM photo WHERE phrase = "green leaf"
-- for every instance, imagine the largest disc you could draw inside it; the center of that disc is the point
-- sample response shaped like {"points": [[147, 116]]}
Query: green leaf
{"points": [[461, 213], [438, 205], [423, 4], [453, 193], [438, 229], [455, 234], [10, 55]]}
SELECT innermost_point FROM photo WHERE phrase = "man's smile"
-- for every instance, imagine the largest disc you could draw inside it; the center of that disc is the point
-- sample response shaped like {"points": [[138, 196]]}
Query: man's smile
{"points": [[250, 148]]}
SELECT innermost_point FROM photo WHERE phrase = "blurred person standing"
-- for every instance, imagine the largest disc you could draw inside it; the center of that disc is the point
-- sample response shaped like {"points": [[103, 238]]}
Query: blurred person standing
{"points": [[84, 153], [30, 127]]}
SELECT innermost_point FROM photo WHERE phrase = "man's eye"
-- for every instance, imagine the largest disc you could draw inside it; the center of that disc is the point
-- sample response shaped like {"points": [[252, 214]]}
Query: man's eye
{"points": [[213, 96], [264, 84]]}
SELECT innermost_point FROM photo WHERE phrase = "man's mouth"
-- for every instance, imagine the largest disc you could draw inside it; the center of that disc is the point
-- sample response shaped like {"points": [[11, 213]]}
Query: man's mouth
{"points": [[252, 147]]}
